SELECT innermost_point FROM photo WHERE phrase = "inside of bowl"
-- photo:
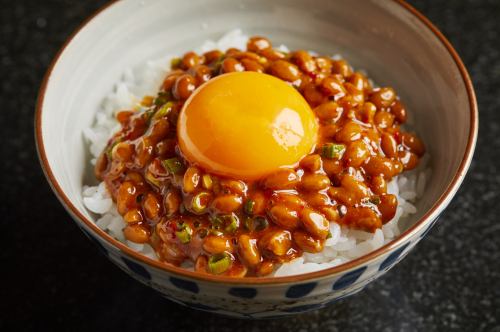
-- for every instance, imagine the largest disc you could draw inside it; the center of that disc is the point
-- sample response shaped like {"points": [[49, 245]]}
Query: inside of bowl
{"points": [[383, 38]]}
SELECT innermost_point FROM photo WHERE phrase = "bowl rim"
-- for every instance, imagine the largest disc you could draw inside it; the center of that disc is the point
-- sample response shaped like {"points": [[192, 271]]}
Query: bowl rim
{"points": [[430, 215]]}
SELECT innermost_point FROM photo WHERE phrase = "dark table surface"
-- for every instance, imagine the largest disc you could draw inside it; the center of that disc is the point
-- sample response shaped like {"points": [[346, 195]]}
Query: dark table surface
{"points": [[52, 276]]}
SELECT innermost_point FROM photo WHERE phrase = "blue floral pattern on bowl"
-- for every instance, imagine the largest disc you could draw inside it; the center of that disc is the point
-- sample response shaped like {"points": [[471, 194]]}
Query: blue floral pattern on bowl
{"points": [[257, 301]]}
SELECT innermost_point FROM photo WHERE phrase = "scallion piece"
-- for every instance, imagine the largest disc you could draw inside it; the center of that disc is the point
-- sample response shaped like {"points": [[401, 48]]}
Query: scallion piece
{"points": [[148, 113], [218, 62], [375, 200], [332, 150], [232, 223], [218, 264], [257, 223], [109, 151], [217, 222], [175, 62], [151, 179], [329, 235], [260, 223], [200, 202], [164, 110], [182, 208], [249, 205], [184, 233], [248, 223], [162, 98], [215, 232], [173, 165]]}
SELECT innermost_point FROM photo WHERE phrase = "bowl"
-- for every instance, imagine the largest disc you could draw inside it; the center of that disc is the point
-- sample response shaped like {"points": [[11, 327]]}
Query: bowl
{"points": [[391, 40]]}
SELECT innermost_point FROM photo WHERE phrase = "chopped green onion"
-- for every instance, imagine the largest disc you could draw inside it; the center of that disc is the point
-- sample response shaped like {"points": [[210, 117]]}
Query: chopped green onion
{"points": [[184, 233], [109, 150], [249, 223], [218, 63], [162, 98], [257, 224], [249, 205], [217, 222], [148, 113], [183, 236], [206, 181], [215, 232], [175, 62], [229, 223], [173, 165], [260, 223], [218, 264], [200, 202], [329, 235], [151, 179], [232, 223], [375, 200], [164, 110], [332, 150]]}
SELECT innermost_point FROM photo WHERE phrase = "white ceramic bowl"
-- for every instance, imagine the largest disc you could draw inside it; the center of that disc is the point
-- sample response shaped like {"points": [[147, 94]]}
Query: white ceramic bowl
{"points": [[393, 42]]}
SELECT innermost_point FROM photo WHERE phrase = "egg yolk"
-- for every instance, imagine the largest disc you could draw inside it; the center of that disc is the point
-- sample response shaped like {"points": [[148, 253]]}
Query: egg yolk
{"points": [[246, 125]]}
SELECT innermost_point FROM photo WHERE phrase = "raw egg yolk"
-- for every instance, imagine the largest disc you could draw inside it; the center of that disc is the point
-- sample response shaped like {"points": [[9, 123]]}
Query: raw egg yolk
{"points": [[246, 125]]}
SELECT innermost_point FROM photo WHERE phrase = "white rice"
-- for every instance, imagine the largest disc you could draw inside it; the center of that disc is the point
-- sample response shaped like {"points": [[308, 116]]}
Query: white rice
{"points": [[344, 245]]}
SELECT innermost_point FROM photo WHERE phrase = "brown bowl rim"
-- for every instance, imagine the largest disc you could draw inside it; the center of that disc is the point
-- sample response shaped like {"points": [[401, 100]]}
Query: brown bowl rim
{"points": [[404, 237]]}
